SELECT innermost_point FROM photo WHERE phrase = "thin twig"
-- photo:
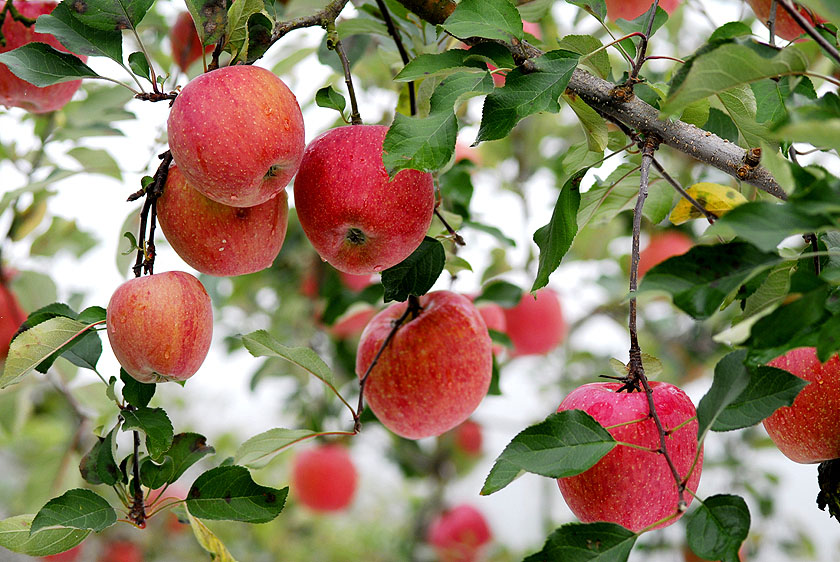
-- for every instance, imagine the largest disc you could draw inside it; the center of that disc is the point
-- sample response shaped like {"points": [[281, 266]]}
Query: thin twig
{"points": [[334, 43], [454, 233], [322, 17], [810, 29], [146, 248], [394, 32], [643, 45]]}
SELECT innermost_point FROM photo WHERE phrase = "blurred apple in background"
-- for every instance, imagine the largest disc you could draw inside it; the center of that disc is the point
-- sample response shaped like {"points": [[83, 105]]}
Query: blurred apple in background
{"points": [[352, 323], [808, 431], [186, 45], [536, 325], [217, 239], [11, 316], [324, 478], [785, 26], [631, 9], [15, 92], [458, 534], [121, 551], [468, 438], [71, 555], [494, 317], [663, 245], [435, 371]]}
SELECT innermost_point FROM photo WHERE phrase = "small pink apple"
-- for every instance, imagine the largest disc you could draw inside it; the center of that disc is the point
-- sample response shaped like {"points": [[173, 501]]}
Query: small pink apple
{"points": [[160, 326], [324, 478], [434, 372], [357, 219], [536, 325], [808, 431], [468, 438], [785, 26], [217, 239], [631, 9], [11, 317], [71, 555], [186, 45], [121, 551], [458, 534], [236, 133], [352, 323], [631, 486], [356, 283], [663, 245]]}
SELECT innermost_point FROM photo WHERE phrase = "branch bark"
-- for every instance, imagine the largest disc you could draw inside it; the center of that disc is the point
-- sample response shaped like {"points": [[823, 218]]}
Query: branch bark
{"points": [[633, 112]]}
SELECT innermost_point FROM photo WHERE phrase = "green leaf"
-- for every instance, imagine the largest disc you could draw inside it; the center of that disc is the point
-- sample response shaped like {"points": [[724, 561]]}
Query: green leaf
{"points": [[263, 344], [15, 536], [416, 274], [731, 378], [209, 541], [63, 235], [329, 98], [783, 328], [766, 224], [501, 292], [83, 352], [491, 19], [186, 450], [210, 17], [564, 444], [768, 390], [110, 15], [426, 65], [740, 104], [36, 344], [77, 508], [718, 528], [92, 314], [555, 238], [526, 94], [229, 493], [701, 280], [258, 451], [154, 475], [360, 26], [99, 465], [42, 65], [139, 65], [587, 542], [78, 37], [136, 393], [584, 45], [594, 126], [237, 23], [729, 65], [155, 424]]}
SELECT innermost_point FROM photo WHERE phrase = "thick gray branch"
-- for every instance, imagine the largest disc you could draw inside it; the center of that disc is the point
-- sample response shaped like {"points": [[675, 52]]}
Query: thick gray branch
{"points": [[322, 17]]}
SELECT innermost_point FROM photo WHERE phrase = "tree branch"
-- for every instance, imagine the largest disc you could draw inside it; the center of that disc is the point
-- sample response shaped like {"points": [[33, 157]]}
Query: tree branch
{"points": [[803, 22], [322, 17], [633, 112]]}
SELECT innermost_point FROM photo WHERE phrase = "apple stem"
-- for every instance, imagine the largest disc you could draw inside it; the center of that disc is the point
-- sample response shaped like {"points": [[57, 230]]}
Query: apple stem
{"points": [[334, 44], [806, 25], [394, 32], [812, 239], [412, 310], [459, 240], [137, 512], [146, 252], [771, 22]]}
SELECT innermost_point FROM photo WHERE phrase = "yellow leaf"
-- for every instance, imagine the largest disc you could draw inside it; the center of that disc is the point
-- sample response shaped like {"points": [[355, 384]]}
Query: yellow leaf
{"points": [[209, 541], [716, 198]]}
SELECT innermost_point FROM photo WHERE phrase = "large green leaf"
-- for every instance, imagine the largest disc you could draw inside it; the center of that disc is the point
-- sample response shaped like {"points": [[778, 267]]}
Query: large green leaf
{"points": [[210, 17], [768, 390], [42, 65], [587, 542], [718, 528], [77, 508], [416, 274], [155, 424], [731, 378], [564, 444], [186, 450], [229, 493], [263, 344], [78, 37], [258, 451], [15, 536], [99, 465], [555, 238], [491, 19], [109, 15]]}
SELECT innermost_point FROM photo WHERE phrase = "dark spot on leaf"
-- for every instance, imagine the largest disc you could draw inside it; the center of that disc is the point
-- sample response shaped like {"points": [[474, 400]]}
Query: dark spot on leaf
{"points": [[227, 497], [122, 23], [198, 444], [270, 497], [79, 6], [195, 493]]}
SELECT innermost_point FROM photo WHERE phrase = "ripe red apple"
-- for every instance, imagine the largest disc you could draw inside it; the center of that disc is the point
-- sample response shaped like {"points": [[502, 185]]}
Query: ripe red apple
{"points": [[236, 133], [631, 9], [435, 371], [11, 317], [217, 239], [16, 92], [494, 317], [663, 245], [186, 45], [785, 26], [357, 219], [324, 478], [67, 556], [121, 551], [630, 486], [458, 534], [356, 283], [352, 323], [808, 431], [468, 438], [160, 326], [536, 325]]}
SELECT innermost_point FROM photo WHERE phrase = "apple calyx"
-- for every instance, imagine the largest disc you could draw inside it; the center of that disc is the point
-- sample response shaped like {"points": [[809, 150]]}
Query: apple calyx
{"points": [[355, 236]]}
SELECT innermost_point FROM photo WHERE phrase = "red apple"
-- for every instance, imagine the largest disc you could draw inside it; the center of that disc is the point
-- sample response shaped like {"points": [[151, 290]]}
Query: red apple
{"points": [[468, 438], [785, 26], [11, 317], [16, 92], [691, 557], [160, 326], [458, 534], [434, 372], [466, 152], [356, 283], [352, 323], [236, 133], [357, 219], [186, 45], [663, 245], [324, 478], [808, 431], [536, 325], [67, 556], [217, 239], [121, 551], [631, 9], [630, 486], [494, 317]]}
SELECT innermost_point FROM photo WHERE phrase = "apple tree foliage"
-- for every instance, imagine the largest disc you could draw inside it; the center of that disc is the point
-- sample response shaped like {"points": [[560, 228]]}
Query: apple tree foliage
{"points": [[760, 119]]}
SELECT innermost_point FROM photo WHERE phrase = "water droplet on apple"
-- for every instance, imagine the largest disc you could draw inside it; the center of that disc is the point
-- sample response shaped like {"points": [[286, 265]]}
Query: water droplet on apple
{"points": [[233, 197], [166, 355], [377, 268]]}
